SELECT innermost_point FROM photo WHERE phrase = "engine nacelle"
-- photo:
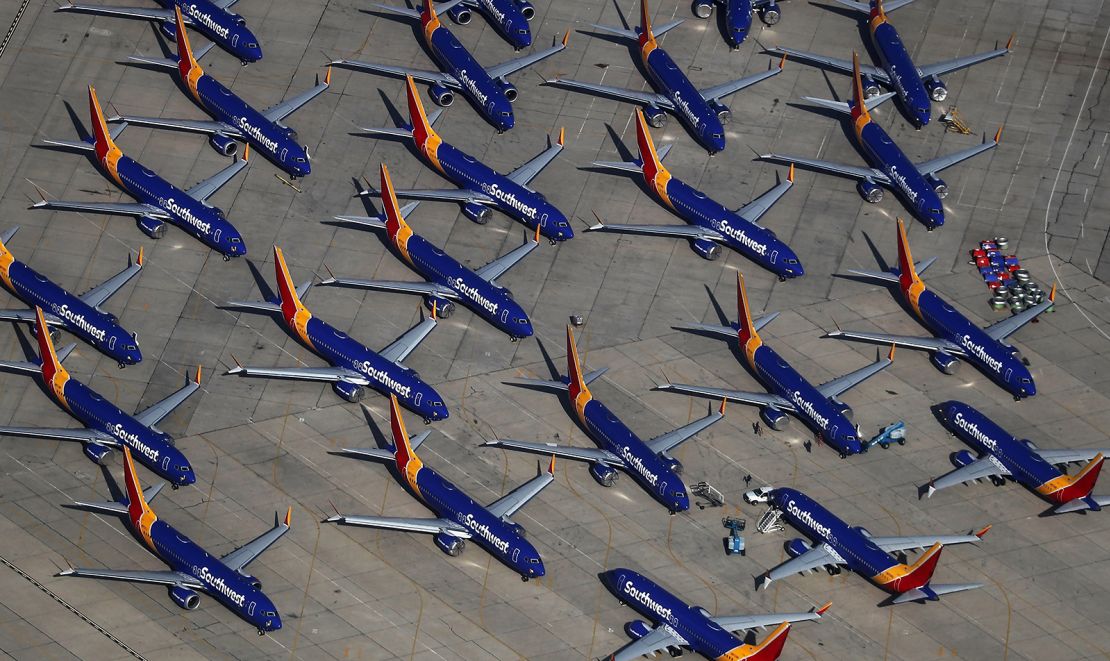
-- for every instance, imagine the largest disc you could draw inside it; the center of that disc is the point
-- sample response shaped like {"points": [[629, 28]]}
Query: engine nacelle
{"points": [[844, 409], [655, 116], [441, 96], [674, 464], [861, 530], [937, 91], [519, 529], [945, 362], [477, 213], [508, 89], [961, 458], [460, 14], [255, 583], [637, 629], [152, 227], [98, 453], [606, 476], [938, 185], [724, 115], [444, 308], [707, 249], [796, 547], [1029, 444], [223, 144], [352, 392], [527, 9], [703, 8], [185, 598], [771, 14], [292, 133], [449, 544], [774, 418], [870, 87], [870, 191]]}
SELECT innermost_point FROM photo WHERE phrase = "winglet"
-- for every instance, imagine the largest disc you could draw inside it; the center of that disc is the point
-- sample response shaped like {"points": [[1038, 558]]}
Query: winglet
{"points": [[983, 531], [200, 370], [247, 153], [782, 62], [562, 136], [890, 356], [822, 610], [551, 466], [790, 175], [139, 260], [566, 37], [53, 373], [327, 77], [998, 135], [288, 516], [1052, 294], [724, 402], [536, 238], [236, 361], [435, 310], [1010, 42]]}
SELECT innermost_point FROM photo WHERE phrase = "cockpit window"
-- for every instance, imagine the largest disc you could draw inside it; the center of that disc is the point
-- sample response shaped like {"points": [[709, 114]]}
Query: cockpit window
{"points": [[299, 159], [791, 261], [236, 239], [131, 347], [679, 494], [533, 561], [252, 45], [1026, 379], [504, 114]]}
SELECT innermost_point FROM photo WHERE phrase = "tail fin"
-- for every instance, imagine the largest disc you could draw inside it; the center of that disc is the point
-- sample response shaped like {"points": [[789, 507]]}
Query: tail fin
{"points": [[652, 165], [407, 461], [646, 35], [576, 385], [747, 329], [860, 115], [907, 272], [287, 292], [910, 577], [137, 506], [53, 373], [877, 13], [103, 143], [422, 129], [1079, 485], [395, 225], [186, 63], [770, 648]]}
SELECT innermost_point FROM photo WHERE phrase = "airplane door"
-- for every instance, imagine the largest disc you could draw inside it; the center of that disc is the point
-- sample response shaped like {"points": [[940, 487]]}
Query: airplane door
{"points": [[166, 464], [832, 432], [663, 488], [111, 343], [774, 256], [543, 220], [504, 316], [516, 554], [250, 609], [416, 400], [234, 40], [1008, 373], [284, 153], [216, 236]]}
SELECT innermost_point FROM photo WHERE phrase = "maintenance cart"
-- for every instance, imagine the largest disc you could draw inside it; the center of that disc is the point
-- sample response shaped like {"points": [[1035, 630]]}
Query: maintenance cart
{"points": [[895, 433], [734, 543]]}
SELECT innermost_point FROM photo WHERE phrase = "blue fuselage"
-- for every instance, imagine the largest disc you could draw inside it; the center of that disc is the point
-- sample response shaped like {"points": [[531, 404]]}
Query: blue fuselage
{"points": [[907, 182], [738, 21], [902, 72], [227, 30], [484, 93], [508, 19], [692, 109], [987, 438]]}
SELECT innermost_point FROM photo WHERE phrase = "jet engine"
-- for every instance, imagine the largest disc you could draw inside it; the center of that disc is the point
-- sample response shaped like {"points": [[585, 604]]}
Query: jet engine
{"points": [[444, 308], [961, 458], [674, 464], [185, 598], [152, 227], [844, 409], [706, 249], [703, 8], [724, 115], [460, 14], [655, 116], [442, 96], [945, 362], [937, 91], [637, 629], [605, 475], [223, 144], [527, 9], [449, 544], [870, 191], [98, 453], [774, 418], [870, 87], [1029, 444], [255, 583], [796, 547], [519, 529], [352, 392], [508, 89], [478, 213], [938, 185], [861, 530], [771, 14]]}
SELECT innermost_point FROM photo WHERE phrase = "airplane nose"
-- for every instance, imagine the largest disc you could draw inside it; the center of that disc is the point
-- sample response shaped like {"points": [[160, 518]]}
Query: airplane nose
{"points": [[187, 476]]}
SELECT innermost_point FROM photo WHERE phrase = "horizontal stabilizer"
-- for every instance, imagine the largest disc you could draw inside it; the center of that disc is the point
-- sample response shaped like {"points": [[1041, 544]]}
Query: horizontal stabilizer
{"points": [[373, 222], [1093, 503], [545, 384], [78, 145], [160, 62], [621, 166], [396, 131], [842, 106], [260, 306], [114, 507], [933, 592]]}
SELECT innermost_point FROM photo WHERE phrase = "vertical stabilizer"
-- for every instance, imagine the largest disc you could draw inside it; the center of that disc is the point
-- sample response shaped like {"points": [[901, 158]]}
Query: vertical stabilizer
{"points": [[771, 647], [860, 115], [395, 225], [407, 461], [290, 302], [576, 386], [137, 508], [655, 173], [53, 374], [646, 35], [907, 272], [747, 329], [186, 63], [903, 577]]}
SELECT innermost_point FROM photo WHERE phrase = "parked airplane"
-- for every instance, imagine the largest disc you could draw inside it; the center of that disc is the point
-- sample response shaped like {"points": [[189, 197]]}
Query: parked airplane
{"points": [[819, 407], [917, 184], [649, 463], [487, 88], [159, 201], [837, 545], [80, 315], [212, 18], [481, 188], [446, 280], [234, 119], [509, 17], [677, 626], [106, 426], [1002, 456], [701, 111], [192, 569], [915, 85], [956, 336], [459, 517], [738, 16], [352, 366], [710, 224]]}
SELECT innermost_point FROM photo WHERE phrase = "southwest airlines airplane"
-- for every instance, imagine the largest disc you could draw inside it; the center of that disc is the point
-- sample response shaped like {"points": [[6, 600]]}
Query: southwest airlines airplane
{"points": [[914, 85], [917, 184], [159, 201], [106, 426], [80, 315], [677, 626], [234, 119], [789, 392], [211, 18], [446, 280], [955, 336], [192, 569], [710, 224], [353, 366], [1001, 456], [649, 463], [487, 88], [834, 544], [701, 111], [509, 17], [481, 188], [737, 20], [458, 516]]}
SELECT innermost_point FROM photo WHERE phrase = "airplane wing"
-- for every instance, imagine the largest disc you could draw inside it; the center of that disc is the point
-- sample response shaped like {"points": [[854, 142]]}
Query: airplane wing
{"points": [[622, 93], [911, 341], [976, 470], [673, 439], [937, 164], [153, 415], [423, 75], [1000, 330], [855, 171], [835, 63], [280, 111], [658, 639], [430, 526], [718, 92], [516, 64], [507, 505], [683, 231], [124, 12], [1071, 456], [207, 188], [755, 398], [206, 126], [82, 435], [303, 373], [895, 544], [527, 172], [734, 623], [490, 272], [224, 4], [421, 288], [815, 558], [400, 348], [955, 64], [104, 290], [116, 208], [852, 379], [165, 577], [245, 554], [564, 451], [754, 210]]}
